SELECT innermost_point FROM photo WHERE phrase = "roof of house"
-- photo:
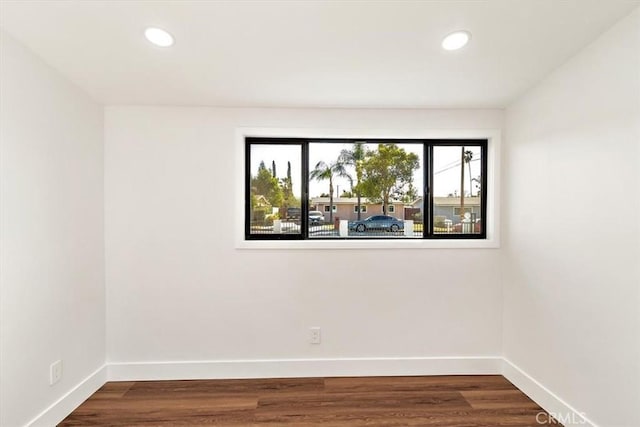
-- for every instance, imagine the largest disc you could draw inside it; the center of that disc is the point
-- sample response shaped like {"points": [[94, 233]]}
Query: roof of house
{"points": [[451, 201], [349, 200], [262, 200], [438, 201]]}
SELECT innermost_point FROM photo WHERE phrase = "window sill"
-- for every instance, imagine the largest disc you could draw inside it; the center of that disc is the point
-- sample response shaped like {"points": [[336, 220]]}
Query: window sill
{"points": [[369, 244]]}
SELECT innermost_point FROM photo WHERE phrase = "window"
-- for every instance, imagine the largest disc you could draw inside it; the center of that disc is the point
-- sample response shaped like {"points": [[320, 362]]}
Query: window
{"points": [[274, 190], [413, 188]]}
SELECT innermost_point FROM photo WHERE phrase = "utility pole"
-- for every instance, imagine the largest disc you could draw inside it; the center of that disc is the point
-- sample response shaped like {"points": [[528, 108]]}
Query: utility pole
{"points": [[462, 184]]}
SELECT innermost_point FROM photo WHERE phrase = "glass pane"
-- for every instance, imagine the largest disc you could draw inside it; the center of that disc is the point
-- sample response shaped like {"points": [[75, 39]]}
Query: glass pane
{"points": [[456, 172], [365, 190], [275, 188]]}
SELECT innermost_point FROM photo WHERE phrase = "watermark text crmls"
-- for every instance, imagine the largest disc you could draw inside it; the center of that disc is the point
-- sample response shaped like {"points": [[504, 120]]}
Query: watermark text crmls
{"points": [[568, 418]]}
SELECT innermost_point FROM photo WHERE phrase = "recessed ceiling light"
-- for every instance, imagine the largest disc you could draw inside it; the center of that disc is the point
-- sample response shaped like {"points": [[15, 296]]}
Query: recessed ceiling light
{"points": [[456, 40], [159, 37]]}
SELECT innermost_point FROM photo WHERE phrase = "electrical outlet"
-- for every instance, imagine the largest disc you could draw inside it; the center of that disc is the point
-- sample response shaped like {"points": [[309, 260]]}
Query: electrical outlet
{"points": [[55, 372], [315, 335]]}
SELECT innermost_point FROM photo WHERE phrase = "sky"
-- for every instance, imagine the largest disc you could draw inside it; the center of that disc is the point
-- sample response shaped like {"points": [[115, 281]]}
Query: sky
{"points": [[323, 151], [446, 166]]}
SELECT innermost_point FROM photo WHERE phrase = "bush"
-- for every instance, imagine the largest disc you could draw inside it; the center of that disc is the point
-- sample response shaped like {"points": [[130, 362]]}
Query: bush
{"points": [[258, 215], [268, 219], [438, 221]]}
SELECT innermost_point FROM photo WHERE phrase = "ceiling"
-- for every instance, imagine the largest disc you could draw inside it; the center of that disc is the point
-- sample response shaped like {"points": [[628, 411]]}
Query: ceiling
{"points": [[374, 54]]}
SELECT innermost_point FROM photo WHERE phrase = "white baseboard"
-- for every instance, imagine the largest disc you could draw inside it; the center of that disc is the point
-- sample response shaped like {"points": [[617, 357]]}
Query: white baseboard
{"points": [[287, 368], [57, 412], [549, 401]]}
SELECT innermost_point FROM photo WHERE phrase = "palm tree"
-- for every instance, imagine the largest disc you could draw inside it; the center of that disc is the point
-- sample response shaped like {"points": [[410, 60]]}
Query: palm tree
{"points": [[468, 155], [465, 157], [324, 171], [354, 157]]}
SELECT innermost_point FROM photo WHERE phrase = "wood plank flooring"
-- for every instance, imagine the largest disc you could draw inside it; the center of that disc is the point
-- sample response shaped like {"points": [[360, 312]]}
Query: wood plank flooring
{"points": [[446, 401]]}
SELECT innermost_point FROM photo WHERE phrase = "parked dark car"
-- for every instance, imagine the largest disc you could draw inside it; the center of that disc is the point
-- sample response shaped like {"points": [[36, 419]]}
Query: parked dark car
{"points": [[377, 222], [293, 213]]}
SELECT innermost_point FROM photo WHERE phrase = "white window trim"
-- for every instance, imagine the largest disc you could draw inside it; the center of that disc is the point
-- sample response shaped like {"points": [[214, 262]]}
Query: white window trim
{"points": [[494, 137], [363, 208]]}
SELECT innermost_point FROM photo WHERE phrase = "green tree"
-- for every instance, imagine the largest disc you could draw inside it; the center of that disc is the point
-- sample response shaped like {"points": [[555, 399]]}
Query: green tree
{"points": [[327, 172], [355, 157], [266, 185], [410, 195], [388, 172], [289, 199]]}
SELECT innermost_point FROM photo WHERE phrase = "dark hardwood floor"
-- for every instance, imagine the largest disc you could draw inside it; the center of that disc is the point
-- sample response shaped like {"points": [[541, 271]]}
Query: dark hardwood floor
{"points": [[448, 401]]}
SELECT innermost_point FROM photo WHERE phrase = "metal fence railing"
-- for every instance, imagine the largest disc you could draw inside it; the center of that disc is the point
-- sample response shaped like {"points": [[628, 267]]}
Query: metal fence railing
{"points": [[349, 229], [355, 230], [275, 227]]}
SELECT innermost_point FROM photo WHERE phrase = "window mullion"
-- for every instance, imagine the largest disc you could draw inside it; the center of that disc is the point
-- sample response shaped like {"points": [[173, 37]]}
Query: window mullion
{"points": [[427, 199], [304, 203]]}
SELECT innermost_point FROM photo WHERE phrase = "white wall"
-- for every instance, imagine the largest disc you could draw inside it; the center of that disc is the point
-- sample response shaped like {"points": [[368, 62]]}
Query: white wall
{"points": [[52, 300], [178, 290], [571, 229]]}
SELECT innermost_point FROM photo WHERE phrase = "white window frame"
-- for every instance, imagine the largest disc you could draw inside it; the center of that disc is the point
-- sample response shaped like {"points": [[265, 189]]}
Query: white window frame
{"points": [[363, 209], [494, 137], [391, 209]]}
